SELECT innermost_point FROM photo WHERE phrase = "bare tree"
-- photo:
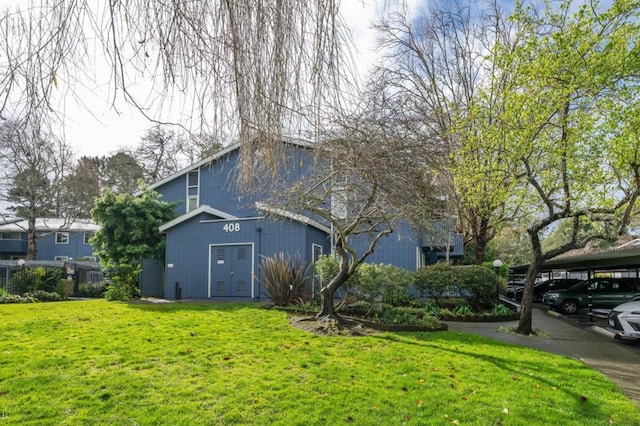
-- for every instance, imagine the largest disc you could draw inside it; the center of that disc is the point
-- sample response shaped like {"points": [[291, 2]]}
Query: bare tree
{"points": [[158, 153], [33, 166], [436, 62], [249, 68], [371, 173]]}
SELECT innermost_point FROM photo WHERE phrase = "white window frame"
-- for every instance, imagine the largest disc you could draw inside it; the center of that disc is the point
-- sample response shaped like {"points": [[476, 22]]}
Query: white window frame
{"points": [[85, 240], [62, 234], [195, 196], [61, 258]]}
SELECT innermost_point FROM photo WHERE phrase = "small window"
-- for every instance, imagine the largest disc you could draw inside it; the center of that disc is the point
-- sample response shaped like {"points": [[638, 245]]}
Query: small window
{"points": [[192, 203], [61, 258], [62, 238], [193, 179], [87, 236], [10, 236]]}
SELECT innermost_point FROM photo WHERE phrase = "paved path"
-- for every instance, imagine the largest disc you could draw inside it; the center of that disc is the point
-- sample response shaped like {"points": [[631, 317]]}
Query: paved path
{"points": [[590, 344]]}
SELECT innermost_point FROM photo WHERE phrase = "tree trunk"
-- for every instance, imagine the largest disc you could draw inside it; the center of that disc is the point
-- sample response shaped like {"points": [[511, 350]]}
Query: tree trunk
{"points": [[31, 239], [327, 293], [525, 326], [481, 239], [327, 311]]}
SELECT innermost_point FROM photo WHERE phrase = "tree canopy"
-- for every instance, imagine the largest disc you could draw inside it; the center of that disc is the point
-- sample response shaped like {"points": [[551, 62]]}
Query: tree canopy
{"points": [[565, 125], [130, 227]]}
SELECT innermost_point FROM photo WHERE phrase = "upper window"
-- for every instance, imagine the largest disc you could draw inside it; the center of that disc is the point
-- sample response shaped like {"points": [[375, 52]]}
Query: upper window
{"points": [[10, 235], [193, 190], [62, 238], [87, 236]]}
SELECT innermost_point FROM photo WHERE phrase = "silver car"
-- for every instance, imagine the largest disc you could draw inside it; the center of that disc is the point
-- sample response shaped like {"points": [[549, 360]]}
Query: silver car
{"points": [[624, 320]]}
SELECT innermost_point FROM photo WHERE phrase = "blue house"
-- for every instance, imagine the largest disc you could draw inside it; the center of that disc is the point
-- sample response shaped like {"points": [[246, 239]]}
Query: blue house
{"points": [[215, 245], [57, 239]]}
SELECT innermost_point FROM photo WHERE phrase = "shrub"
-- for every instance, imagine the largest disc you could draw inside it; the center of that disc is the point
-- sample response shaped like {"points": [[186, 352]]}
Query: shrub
{"points": [[50, 280], [478, 284], [24, 280], [475, 284], [499, 310], [398, 315], [43, 296], [463, 310], [91, 290], [122, 282], [284, 278], [435, 280], [385, 284]]}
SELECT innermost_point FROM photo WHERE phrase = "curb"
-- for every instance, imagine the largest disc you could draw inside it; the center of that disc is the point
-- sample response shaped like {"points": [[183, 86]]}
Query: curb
{"points": [[554, 314], [603, 331]]}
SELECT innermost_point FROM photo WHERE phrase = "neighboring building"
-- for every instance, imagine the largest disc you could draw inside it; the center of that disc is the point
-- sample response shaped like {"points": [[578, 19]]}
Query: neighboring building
{"points": [[215, 245], [58, 239]]}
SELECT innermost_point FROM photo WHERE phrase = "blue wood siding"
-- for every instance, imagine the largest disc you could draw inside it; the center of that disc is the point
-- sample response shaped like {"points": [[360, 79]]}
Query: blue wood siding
{"points": [[189, 247], [47, 249], [151, 278]]}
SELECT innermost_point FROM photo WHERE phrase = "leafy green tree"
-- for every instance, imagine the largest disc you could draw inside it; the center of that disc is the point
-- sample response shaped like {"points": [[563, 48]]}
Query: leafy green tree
{"points": [[575, 76], [130, 225]]}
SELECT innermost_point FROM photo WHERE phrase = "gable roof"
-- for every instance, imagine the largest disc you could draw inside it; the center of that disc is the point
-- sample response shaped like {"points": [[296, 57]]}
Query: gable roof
{"points": [[52, 224], [194, 213], [294, 216], [220, 154]]}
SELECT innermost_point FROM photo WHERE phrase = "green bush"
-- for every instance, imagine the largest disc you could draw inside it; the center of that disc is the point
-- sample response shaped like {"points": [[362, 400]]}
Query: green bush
{"points": [[475, 284], [50, 280], [91, 289], [24, 280], [399, 315], [499, 310], [478, 285], [372, 283], [435, 280], [14, 298], [122, 282], [44, 296]]}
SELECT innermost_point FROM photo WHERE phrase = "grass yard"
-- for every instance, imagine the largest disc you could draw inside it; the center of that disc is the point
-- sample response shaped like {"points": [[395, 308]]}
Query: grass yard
{"points": [[107, 363]]}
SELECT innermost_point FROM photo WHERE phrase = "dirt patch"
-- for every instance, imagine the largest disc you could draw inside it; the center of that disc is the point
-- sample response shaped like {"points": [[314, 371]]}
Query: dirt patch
{"points": [[347, 327]]}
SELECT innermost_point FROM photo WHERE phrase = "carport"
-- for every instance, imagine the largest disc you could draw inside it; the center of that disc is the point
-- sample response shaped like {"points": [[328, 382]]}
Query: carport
{"points": [[624, 259]]}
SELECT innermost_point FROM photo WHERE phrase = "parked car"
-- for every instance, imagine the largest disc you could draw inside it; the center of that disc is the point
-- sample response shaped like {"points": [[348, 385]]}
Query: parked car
{"points": [[606, 293], [540, 288], [624, 320]]}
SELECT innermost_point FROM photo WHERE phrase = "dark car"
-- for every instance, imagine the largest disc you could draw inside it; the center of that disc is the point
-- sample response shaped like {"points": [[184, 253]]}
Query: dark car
{"points": [[606, 293], [540, 288]]}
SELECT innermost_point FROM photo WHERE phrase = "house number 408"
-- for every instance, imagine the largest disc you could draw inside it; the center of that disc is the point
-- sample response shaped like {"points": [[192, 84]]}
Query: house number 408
{"points": [[231, 227]]}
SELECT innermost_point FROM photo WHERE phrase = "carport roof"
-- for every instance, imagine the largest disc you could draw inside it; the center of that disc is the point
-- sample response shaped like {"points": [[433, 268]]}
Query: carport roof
{"points": [[623, 258]]}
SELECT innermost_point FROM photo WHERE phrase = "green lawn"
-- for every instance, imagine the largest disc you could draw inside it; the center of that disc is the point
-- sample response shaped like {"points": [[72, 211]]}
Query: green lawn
{"points": [[100, 363]]}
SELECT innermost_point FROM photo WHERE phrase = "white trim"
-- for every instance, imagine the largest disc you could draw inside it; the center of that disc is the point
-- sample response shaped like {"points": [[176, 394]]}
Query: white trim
{"points": [[294, 216], [233, 219], [209, 277], [419, 258], [196, 212]]}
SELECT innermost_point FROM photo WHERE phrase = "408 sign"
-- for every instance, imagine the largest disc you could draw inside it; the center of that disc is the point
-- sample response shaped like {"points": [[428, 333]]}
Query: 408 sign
{"points": [[231, 227]]}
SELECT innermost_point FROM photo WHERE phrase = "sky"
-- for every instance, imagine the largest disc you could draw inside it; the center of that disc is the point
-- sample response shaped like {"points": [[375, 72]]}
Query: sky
{"points": [[104, 130]]}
